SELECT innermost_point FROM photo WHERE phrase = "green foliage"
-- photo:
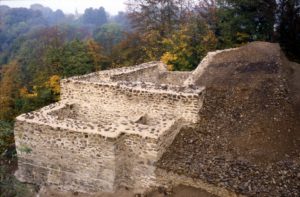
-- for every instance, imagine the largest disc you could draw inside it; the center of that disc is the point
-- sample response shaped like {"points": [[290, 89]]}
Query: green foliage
{"points": [[10, 186], [6, 136], [242, 21], [71, 59], [108, 36]]}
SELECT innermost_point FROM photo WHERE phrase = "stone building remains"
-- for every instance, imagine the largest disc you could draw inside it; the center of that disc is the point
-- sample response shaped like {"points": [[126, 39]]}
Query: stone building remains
{"points": [[108, 130], [231, 127]]}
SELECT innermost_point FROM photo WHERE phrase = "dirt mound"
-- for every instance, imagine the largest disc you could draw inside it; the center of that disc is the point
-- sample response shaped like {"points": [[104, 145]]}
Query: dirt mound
{"points": [[248, 139]]}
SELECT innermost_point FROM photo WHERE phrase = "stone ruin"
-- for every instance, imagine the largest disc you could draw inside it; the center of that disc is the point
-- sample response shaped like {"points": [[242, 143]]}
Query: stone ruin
{"points": [[231, 127], [108, 131]]}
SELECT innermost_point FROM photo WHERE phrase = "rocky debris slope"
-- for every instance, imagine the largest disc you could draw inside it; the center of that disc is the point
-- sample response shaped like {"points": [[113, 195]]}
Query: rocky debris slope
{"points": [[248, 138]]}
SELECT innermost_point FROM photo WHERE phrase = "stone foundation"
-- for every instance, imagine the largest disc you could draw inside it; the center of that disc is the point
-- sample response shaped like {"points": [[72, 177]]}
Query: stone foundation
{"points": [[108, 131]]}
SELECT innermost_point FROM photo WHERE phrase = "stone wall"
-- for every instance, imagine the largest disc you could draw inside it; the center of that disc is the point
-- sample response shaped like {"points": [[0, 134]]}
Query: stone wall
{"points": [[148, 74], [86, 162], [175, 77], [135, 158], [155, 74], [133, 100], [108, 131], [143, 72], [69, 159]]}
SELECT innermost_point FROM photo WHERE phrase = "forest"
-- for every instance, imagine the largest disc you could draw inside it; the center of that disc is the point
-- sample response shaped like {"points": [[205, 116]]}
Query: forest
{"points": [[40, 46]]}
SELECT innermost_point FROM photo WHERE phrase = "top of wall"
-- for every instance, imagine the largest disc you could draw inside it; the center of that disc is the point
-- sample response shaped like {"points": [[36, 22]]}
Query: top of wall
{"points": [[56, 116], [105, 76], [150, 77]]}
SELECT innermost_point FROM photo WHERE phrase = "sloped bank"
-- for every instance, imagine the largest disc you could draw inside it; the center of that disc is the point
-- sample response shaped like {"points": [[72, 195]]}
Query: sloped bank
{"points": [[247, 140]]}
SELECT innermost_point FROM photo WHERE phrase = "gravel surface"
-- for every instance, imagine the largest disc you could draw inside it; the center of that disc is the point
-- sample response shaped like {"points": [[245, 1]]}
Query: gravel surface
{"points": [[248, 138]]}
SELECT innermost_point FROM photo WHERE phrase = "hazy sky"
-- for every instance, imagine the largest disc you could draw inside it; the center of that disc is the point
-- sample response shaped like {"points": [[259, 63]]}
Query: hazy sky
{"points": [[69, 6]]}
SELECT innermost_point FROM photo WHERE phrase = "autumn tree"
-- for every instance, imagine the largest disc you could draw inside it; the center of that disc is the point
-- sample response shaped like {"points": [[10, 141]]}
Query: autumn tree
{"points": [[130, 51], [9, 89], [186, 47], [95, 51], [157, 20]]}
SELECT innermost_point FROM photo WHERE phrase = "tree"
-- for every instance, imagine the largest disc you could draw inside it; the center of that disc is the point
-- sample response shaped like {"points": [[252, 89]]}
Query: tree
{"points": [[188, 46], [71, 59], [157, 15], [6, 136], [243, 21], [108, 36], [122, 19], [289, 27], [32, 55], [9, 185], [95, 17], [156, 20], [9, 86], [130, 51], [95, 51]]}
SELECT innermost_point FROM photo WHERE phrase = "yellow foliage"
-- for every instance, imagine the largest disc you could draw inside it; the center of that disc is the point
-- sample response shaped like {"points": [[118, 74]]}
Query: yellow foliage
{"points": [[167, 58], [54, 84], [153, 47], [210, 41], [24, 93], [242, 37], [170, 67]]}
